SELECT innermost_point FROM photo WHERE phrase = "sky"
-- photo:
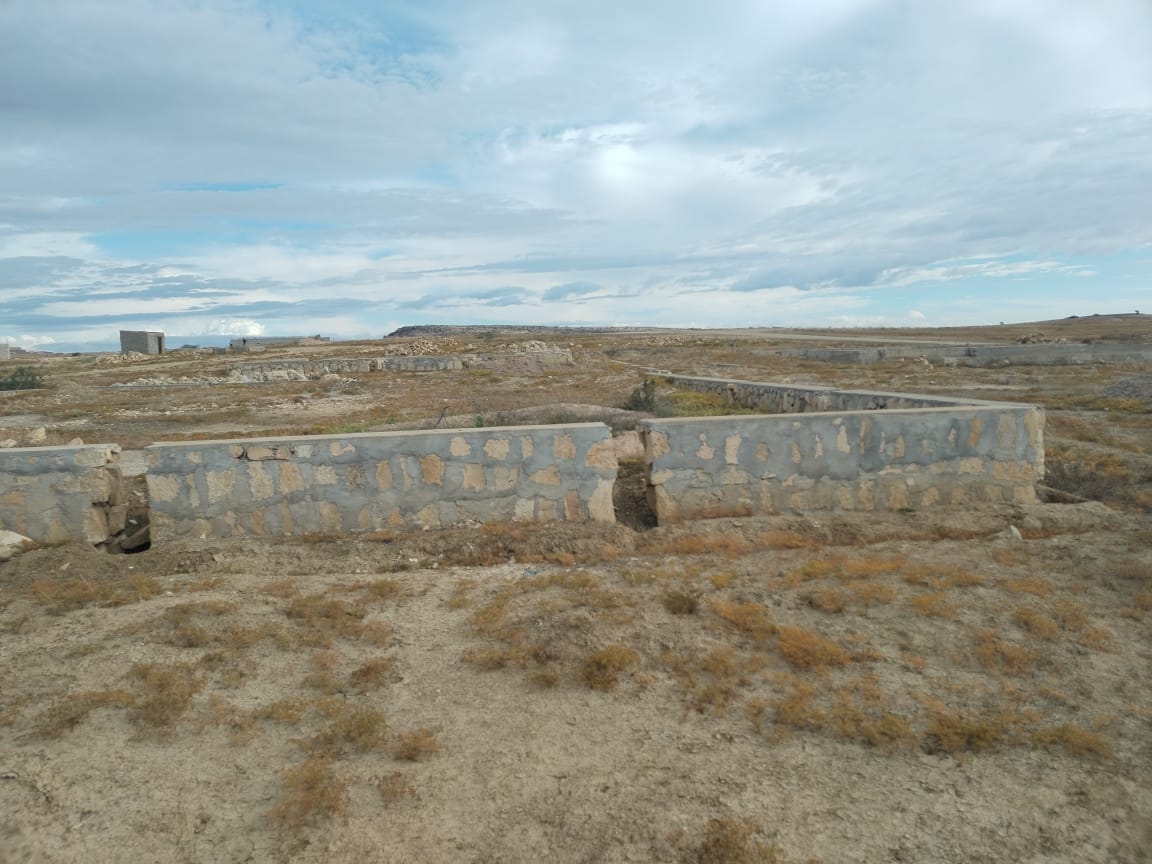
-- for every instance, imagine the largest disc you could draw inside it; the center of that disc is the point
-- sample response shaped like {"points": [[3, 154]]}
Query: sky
{"points": [[222, 168]]}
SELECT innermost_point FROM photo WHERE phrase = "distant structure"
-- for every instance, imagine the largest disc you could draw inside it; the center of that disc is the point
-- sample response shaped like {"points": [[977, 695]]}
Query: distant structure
{"points": [[261, 343], [5, 354], [141, 341]]}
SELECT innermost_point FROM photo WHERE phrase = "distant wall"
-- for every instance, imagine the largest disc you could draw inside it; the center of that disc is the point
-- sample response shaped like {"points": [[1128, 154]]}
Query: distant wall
{"points": [[5, 352], [800, 399], [57, 494], [841, 450], [284, 486], [270, 370], [1054, 354]]}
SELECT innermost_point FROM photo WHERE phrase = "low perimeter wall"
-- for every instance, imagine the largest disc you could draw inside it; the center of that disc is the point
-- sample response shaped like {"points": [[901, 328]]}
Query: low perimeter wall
{"points": [[56, 494], [836, 456], [369, 481]]}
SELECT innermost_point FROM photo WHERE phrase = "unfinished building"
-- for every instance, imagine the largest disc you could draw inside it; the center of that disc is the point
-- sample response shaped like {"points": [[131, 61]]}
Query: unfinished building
{"points": [[141, 342]]}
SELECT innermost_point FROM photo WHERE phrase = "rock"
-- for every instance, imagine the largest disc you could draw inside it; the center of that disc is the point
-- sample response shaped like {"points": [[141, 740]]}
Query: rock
{"points": [[76, 442], [36, 437], [12, 544]]}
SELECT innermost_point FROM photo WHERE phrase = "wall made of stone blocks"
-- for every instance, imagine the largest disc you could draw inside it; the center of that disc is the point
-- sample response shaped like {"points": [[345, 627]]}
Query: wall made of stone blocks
{"points": [[57, 494], [801, 399], [331, 484], [843, 460]]}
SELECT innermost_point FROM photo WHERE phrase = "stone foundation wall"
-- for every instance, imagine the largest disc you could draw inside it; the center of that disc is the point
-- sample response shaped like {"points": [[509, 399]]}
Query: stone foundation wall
{"points": [[370, 481], [842, 459], [1066, 354], [56, 494], [801, 399]]}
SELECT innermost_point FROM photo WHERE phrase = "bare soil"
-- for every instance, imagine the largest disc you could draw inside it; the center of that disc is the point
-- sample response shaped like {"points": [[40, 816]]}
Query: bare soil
{"points": [[923, 686]]}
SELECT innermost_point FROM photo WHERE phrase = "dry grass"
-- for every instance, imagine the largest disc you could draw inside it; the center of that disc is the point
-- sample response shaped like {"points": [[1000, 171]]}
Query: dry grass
{"points": [[735, 841], [354, 729], [749, 618], [1036, 622], [373, 674], [163, 693], [65, 595], [415, 745], [394, 787], [681, 602], [996, 655], [1075, 740], [808, 650], [936, 605], [309, 794], [601, 669], [69, 712]]}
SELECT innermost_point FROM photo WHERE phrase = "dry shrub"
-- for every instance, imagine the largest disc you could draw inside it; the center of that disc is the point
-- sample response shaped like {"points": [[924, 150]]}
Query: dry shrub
{"points": [[394, 787], [796, 707], [281, 588], [601, 669], [728, 545], [749, 618], [164, 693], [382, 589], [320, 619], [681, 602], [827, 599], [858, 715], [323, 676], [459, 598], [1027, 585], [373, 674], [415, 744], [935, 605], [913, 662], [546, 677], [308, 794], [287, 711], [784, 539], [996, 655], [70, 712], [1071, 614], [805, 649], [955, 732], [869, 594], [1036, 622], [64, 595], [1098, 639], [735, 841], [489, 658], [1076, 740], [355, 729]]}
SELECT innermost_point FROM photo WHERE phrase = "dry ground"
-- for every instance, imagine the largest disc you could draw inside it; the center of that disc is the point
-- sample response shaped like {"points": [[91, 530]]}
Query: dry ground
{"points": [[850, 687]]}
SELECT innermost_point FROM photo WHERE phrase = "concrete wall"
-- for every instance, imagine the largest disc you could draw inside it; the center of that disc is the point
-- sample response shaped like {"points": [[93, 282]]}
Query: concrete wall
{"points": [[5, 352], [271, 370], [801, 399], [337, 483], [842, 453], [981, 355], [142, 341], [56, 494]]}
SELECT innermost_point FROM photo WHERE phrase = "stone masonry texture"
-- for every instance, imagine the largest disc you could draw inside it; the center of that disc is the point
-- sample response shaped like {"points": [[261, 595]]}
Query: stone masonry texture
{"points": [[332, 484], [57, 494], [841, 450]]}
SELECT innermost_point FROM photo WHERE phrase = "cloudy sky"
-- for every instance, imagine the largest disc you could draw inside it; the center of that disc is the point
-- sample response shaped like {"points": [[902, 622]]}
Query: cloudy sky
{"points": [[236, 167]]}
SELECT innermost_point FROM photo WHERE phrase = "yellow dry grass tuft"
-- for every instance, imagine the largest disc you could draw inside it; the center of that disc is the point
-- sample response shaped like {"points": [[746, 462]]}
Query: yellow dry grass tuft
{"points": [[808, 650], [70, 712], [309, 793], [164, 693], [601, 669], [415, 744]]}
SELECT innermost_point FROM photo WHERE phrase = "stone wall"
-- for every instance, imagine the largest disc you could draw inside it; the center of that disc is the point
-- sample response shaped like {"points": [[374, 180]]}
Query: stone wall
{"points": [[801, 399], [370, 481], [838, 455], [57, 494], [1055, 354]]}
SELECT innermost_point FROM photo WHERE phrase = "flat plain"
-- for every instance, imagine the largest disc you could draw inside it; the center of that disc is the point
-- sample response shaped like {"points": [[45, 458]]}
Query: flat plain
{"points": [[916, 686]]}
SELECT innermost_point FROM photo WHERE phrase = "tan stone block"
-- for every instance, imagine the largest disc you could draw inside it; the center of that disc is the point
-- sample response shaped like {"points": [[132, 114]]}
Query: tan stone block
{"points": [[545, 510], [762, 452], [287, 523], [428, 517], [203, 529], [1024, 495], [975, 429], [971, 465], [325, 475], [600, 507], [256, 523], [383, 476], [364, 518], [193, 492], [767, 491], [659, 478], [339, 448], [798, 500], [161, 487], [524, 510], [733, 477], [656, 444], [844, 498], [262, 452], [1006, 432], [818, 446], [290, 478], [953, 437], [236, 451], [704, 451], [549, 476], [1034, 425], [220, 485], [1019, 471], [504, 477], [602, 455], [259, 483], [117, 518], [330, 520], [527, 447], [196, 458], [797, 456], [865, 433], [929, 496], [898, 448], [432, 467], [396, 518], [732, 449], [563, 447], [474, 476], [459, 447], [497, 448], [355, 476], [897, 499], [627, 445], [573, 507], [842, 441], [95, 525], [866, 497]]}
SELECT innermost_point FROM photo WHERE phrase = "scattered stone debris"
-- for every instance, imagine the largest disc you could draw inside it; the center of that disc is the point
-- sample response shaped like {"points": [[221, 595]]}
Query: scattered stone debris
{"points": [[12, 544], [1041, 339]]}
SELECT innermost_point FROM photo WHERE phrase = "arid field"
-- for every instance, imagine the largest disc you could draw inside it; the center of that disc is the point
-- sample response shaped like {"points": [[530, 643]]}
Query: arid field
{"points": [[941, 685]]}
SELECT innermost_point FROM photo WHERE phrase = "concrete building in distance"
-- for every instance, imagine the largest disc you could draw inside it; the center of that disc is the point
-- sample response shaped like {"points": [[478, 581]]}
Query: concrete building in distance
{"points": [[141, 341], [5, 354]]}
